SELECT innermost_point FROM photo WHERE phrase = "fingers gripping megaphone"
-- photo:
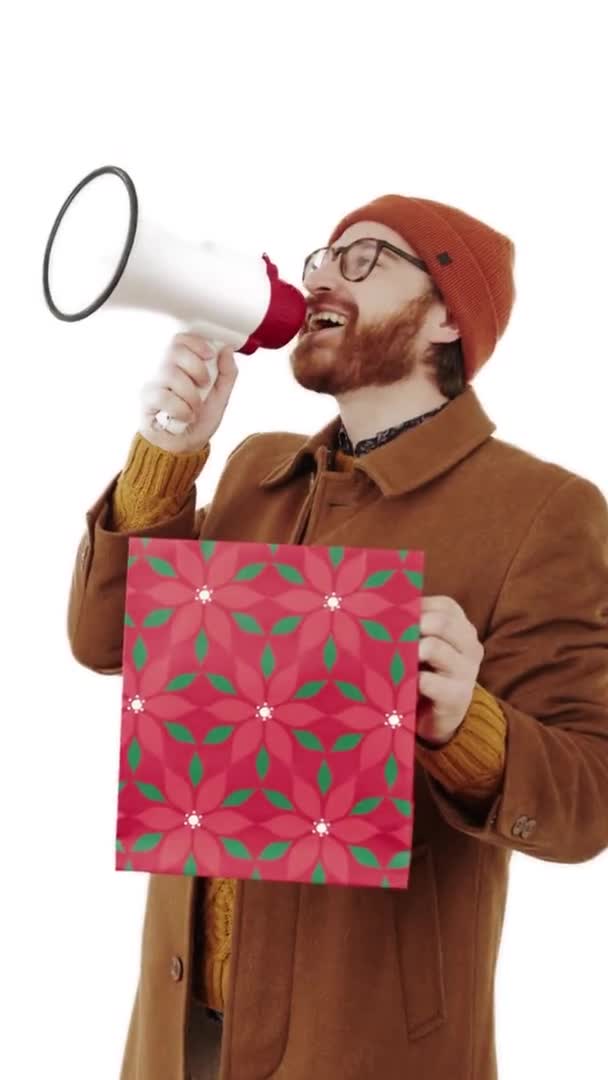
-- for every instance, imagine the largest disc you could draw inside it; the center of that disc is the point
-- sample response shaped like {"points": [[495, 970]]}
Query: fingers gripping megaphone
{"points": [[100, 251]]}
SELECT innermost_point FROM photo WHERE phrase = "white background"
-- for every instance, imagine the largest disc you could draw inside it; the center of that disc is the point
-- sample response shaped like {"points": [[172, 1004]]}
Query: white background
{"points": [[260, 124]]}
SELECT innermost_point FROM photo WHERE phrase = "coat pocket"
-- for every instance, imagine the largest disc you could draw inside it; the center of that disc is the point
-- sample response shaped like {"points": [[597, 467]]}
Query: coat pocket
{"points": [[419, 947]]}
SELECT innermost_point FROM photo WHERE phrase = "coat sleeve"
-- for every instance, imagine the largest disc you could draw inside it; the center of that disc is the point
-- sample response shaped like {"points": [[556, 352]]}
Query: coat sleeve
{"points": [[96, 606], [546, 663]]}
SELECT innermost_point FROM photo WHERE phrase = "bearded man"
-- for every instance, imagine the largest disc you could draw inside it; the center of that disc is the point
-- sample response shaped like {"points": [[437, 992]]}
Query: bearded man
{"points": [[255, 979]]}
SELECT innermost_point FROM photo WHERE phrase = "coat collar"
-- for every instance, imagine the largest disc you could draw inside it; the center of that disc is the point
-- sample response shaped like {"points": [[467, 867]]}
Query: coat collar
{"points": [[411, 459]]}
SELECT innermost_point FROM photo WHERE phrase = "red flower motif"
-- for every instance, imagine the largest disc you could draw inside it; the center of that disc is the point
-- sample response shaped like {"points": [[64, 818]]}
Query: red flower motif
{"points": [[145, 705], [389, 719], [202, 595], [263, 711], [334, 602], [322, 829], [192, 820]]}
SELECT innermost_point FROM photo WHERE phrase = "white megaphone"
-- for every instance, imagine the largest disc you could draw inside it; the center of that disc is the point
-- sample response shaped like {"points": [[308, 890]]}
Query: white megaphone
{"points": [[100, 251]]}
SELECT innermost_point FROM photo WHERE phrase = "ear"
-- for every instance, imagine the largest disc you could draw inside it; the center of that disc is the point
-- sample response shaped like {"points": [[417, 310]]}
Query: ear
{"points": [[443, 328]]}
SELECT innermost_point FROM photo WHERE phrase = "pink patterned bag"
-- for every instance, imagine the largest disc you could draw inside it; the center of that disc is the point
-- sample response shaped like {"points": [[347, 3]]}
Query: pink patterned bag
{"points": [[268, 718]]}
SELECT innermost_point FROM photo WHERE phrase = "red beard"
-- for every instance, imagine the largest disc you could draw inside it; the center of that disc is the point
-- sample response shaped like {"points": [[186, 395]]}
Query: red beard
{"points": [[378, 354]]}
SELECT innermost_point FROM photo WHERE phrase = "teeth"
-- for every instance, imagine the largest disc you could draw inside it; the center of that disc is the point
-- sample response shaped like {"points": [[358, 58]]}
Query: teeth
{"points": [[316, 321]]}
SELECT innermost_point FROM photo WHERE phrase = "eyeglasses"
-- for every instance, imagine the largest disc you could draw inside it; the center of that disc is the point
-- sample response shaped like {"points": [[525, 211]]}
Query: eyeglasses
{"points": [[357, 260]]}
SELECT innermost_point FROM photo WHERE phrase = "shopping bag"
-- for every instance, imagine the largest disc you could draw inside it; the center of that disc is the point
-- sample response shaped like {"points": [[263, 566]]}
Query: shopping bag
{"points": [[268, 711]]}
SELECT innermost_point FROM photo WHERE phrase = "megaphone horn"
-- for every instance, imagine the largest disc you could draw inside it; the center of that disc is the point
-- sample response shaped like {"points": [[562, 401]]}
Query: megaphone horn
{"points": [[100, 251]]}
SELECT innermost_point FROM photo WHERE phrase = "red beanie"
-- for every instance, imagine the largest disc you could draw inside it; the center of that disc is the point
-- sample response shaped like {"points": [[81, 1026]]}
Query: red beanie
{"points": [[470, 263]]}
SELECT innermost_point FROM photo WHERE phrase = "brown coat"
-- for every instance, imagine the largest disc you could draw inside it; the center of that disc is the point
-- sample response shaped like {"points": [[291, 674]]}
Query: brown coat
{"points": [[363, 984]]}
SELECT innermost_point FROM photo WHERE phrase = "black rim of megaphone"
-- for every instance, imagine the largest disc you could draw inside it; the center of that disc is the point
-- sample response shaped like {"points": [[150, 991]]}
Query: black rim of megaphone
{"points": [[124, 258]]}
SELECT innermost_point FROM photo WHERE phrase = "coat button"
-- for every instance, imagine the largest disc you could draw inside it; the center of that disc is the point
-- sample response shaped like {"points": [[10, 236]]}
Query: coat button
{"points": [[528, 828], [518, 825], [177, 968]]}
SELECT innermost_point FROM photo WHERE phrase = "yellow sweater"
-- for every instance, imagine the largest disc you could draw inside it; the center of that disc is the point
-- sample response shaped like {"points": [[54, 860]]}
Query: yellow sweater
{"points": [[154, 485]]}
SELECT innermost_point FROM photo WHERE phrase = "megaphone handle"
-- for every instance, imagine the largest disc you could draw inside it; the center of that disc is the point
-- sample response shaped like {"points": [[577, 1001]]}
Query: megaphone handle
{"points": [[177, 427]]}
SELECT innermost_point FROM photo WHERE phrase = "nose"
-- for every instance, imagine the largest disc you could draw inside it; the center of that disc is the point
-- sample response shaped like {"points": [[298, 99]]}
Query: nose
{"points": [[324, 279]]}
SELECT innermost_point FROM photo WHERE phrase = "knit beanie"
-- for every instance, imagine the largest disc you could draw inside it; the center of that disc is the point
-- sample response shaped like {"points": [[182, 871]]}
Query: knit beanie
{"points": [[470, 263]]}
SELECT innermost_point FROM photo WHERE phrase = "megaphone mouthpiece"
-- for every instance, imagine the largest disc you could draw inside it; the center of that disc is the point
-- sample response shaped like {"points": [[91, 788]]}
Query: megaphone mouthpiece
{"points": [[287, 309]]}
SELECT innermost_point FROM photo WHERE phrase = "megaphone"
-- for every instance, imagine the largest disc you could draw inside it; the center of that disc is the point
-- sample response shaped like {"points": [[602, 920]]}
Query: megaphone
{"points": [[100, 251]]}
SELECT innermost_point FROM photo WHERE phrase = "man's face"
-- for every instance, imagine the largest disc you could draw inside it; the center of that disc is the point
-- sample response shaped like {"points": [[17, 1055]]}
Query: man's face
{"points": [[386, 328]]}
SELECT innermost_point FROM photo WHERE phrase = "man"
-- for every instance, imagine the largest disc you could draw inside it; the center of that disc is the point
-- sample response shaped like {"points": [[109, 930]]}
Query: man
{"points": [[264, 979]]}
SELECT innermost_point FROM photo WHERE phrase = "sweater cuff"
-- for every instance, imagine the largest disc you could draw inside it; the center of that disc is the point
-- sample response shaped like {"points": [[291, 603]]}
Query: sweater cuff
{"points": [[472, 763], [154, 484]]}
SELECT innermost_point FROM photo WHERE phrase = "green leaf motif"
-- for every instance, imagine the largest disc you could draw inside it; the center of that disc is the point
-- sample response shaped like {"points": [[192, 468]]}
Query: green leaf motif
{"points": [[290, 573], [336, 555], [158, 617], [128, 620], [404, 806], [277, 798], [237, 798], [397, 669], [275, 851], [151, 792], [287, 626], [403, 554], [235, 848], [268, 662], [255, 875], [180, 732], [411, 634], [262, 763], [365, 806], [330, 653], [324, 778], [180, 682], [364, 856], [120, 846], [146, 541], [248, 573], [122, 784], [318, 875], [195, 770], [147, 842], [247, 623], [218, 735], [161, 566], [134, 754], [128, 865], [347, 742], [273, 548], [201, 645], [140, 653], [219, 682], [415, 577], [398, 861], [391, 771], [350, 691], [207, 548], [190, 866], [385, 883], [310, 689], [375, 630], [308, 740], [131, 560], [375, 581]]}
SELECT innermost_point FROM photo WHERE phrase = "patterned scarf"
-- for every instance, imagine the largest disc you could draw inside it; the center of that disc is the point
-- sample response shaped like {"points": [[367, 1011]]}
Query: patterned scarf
{"points": [[365, 445]]}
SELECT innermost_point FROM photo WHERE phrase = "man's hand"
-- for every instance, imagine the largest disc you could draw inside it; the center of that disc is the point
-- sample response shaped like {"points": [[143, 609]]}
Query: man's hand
{"points": [[450, 647]]}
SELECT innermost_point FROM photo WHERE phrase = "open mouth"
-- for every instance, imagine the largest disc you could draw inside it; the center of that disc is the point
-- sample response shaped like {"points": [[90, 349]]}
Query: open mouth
{"points": [[324, 322]]}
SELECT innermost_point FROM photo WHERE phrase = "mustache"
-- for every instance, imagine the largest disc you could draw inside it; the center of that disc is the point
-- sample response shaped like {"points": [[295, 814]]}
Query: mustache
{"points": [[332, 302]]}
